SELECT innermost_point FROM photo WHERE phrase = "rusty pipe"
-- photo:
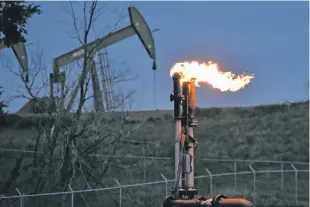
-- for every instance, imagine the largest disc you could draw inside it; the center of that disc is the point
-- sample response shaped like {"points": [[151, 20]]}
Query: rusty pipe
{"points": [[192, 100], [223, 202]]}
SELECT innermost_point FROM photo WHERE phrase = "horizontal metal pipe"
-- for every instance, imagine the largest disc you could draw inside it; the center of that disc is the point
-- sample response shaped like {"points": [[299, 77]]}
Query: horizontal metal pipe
{"points": [[224, 202]]}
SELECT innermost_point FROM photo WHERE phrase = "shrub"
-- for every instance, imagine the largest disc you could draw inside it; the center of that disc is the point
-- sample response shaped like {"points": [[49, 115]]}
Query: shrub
{"points": [[153, 119], [211, 113], [168, 117]]}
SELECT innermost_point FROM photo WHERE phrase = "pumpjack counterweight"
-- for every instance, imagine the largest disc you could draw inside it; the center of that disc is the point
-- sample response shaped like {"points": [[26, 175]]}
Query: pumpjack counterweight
{"points": [[20, 53], [184, 193]]}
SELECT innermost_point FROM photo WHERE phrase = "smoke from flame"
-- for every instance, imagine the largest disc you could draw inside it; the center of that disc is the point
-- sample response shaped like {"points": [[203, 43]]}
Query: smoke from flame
{"points": [[210, 73]]}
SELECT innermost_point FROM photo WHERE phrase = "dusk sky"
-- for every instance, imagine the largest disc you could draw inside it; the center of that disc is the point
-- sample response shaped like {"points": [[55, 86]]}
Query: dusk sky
{"points": [[267, 39]]}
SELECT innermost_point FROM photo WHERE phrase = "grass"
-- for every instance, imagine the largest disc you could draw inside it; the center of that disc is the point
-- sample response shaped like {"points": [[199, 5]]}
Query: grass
{"points": [[271, 132]]}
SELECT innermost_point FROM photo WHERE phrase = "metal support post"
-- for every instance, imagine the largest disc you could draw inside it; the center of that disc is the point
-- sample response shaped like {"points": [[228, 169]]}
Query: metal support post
{"points": [[296, 183], [166, 181], [254, 182], [282, 168], [235, 174], [21, 198], [144, 165], [120, 193], [211, 178], [72, 196]]}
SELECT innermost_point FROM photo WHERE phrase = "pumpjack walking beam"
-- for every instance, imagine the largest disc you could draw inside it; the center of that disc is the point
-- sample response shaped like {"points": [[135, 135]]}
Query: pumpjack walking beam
{"points": [[184, 193], [138, 26], [20, 53]]}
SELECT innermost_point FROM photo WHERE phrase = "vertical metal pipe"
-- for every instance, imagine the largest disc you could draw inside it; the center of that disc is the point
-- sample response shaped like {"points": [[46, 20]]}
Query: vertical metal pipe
{"points": [[191, 115], [192, 101], [185, 93], [176, 97], [190, 176], [178, 133]]}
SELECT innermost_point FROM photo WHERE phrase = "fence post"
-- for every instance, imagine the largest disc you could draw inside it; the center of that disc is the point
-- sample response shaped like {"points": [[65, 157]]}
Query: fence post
{"points": [[21, 198], [282, 168], [166, 181], [144, 165], [296, 183], [72, 196], [120, 193], [235, 173], [254, 182], [210, 182]]}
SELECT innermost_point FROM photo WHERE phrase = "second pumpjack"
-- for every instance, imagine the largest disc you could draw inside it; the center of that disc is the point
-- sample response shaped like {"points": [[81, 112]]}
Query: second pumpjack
{"points": [[184, 193]]}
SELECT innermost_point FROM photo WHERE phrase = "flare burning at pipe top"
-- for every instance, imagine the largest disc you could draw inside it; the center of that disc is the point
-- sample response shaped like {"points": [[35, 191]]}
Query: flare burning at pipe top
{"points": [[184, 115], [210, 73], [184, 193]]}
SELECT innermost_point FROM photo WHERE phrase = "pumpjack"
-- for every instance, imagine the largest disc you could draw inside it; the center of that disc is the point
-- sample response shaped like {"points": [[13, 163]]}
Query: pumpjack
{"points": [[137, 26], [184, 193]]}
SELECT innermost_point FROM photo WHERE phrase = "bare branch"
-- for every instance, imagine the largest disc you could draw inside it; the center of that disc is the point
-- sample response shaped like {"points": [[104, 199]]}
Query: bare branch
{"points": [[75, 23], [66, 142]]}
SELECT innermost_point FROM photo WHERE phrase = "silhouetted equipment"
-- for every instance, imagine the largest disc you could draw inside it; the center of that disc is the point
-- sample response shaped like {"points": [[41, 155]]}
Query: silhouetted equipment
{"points": [[20, 52], [184, 193], [138, 26]]}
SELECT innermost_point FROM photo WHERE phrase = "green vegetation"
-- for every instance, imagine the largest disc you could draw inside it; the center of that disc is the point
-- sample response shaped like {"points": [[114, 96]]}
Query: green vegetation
{"points": [[272, 132], [14, 16]]}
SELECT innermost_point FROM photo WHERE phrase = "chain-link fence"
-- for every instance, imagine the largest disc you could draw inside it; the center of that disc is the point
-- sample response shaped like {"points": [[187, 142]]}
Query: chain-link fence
{"points": [[284, 186]]}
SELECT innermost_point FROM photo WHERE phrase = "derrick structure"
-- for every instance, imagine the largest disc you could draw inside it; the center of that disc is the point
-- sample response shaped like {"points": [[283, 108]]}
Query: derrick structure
{"points": [[107, 82]]}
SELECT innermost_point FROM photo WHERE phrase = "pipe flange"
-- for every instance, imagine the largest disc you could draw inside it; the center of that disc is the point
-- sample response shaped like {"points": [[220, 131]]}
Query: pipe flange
{"points": [[193, 122]]}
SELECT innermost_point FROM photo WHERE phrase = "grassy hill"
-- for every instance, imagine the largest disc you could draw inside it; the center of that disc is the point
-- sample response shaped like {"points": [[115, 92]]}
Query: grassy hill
{"points": [[270, 132]]}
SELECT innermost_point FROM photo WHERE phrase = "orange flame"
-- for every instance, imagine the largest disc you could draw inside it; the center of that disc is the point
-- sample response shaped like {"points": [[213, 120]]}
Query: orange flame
{"points": [[210, 73]]}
